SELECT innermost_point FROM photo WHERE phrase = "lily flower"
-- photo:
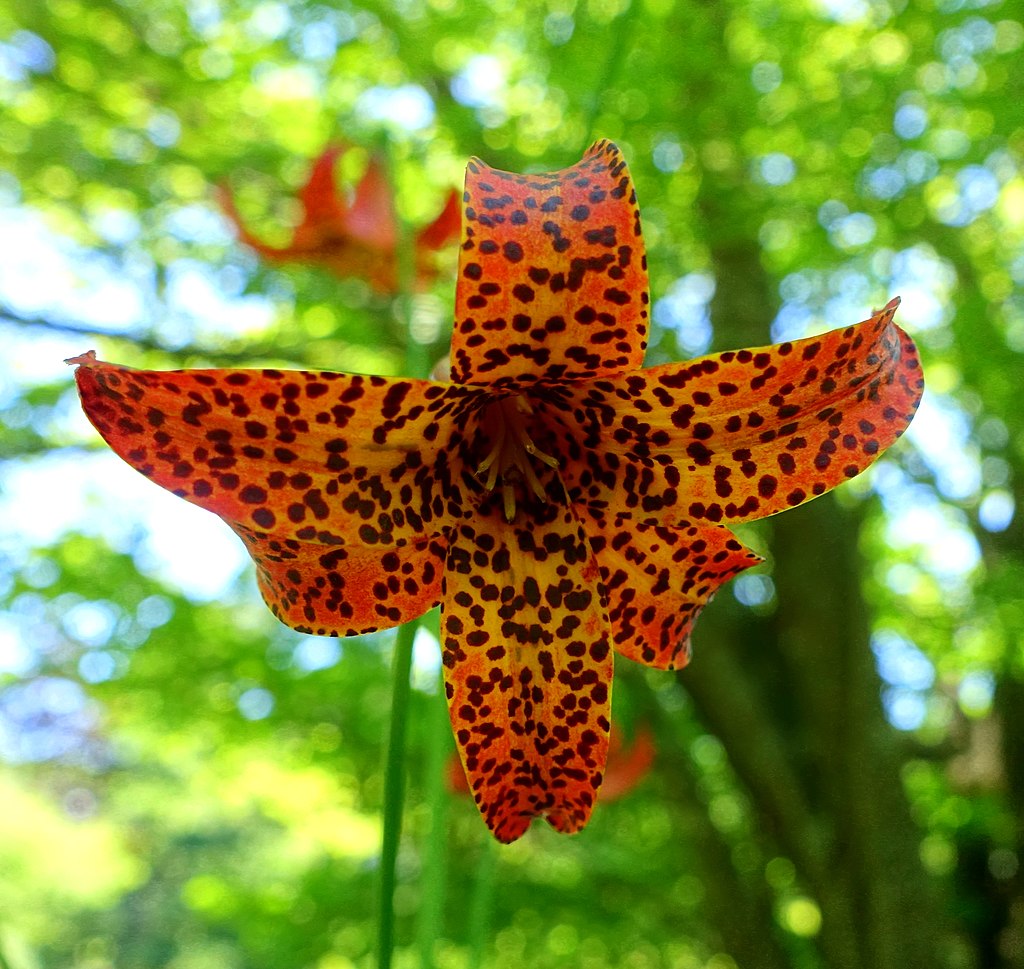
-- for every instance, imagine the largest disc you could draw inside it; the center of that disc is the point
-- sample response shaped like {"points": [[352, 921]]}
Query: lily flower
{"points": [[353, 240], [558, 501]]}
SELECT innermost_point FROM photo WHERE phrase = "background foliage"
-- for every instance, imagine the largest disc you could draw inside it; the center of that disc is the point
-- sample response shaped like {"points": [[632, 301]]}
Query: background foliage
{"points": [[840, 774]]}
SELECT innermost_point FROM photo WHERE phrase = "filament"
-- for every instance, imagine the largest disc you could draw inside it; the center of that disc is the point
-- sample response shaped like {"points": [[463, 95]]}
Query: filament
{"points": [[510, 460]]}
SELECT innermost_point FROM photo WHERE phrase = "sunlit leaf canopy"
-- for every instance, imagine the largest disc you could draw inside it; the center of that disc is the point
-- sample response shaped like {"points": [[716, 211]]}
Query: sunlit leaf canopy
{"points": [[217, 778]]}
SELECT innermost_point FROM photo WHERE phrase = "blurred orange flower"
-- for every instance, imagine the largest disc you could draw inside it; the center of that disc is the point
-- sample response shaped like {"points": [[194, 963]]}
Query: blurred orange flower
{"points": [[353, 239]]}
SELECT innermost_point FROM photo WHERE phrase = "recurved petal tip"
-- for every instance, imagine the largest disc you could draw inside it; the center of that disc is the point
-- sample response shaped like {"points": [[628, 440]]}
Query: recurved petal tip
{"points": [[602, 146], [87, 359]]}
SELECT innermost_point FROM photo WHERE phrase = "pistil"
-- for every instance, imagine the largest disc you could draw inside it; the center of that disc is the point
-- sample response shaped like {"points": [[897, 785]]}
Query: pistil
{"points": [[512, 452]]}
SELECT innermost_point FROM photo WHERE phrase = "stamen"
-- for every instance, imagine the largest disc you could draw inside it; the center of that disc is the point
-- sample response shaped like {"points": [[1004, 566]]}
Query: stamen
{"points": [[510, 459], [492, 462], [530, 448], [531, 479]]}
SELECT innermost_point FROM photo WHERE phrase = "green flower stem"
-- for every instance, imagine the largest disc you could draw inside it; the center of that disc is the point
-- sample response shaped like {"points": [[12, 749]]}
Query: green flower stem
{"points": [[481, 902], [434, 875], [394, 791]]}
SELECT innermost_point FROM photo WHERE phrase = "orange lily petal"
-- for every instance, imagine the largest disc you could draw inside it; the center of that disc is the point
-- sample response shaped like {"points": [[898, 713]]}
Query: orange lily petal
{"points": [[658, 578], [342, 590], [323, 218], [329, 458], [528, 667], [319, 196], [371, 219], [357, 240], [742, 434], [445, 228], [627, 766], [552, 273]]}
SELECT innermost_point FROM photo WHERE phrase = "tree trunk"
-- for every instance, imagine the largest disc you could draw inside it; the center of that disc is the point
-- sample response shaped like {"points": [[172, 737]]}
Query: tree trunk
{"points": [[795, 698]]}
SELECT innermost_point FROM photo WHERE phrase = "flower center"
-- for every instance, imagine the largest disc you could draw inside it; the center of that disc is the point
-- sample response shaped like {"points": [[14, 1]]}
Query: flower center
{"points": [[510, 459]]}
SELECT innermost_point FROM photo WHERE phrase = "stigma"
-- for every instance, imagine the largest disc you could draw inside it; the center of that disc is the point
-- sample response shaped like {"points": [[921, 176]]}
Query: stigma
{"points": [[510, 459]]}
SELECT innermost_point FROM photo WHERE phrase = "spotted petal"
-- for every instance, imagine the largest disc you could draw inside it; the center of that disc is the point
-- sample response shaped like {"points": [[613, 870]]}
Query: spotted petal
{"points": [[308, 456], [342, 590], [742, 434], [528, 667], [657, 578], [552, 273], [628, 763]]}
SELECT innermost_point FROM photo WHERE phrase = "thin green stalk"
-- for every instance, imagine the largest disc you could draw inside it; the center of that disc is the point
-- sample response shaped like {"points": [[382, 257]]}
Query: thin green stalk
{"points": [[481, 903], [394, 791], [434, 875]]}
